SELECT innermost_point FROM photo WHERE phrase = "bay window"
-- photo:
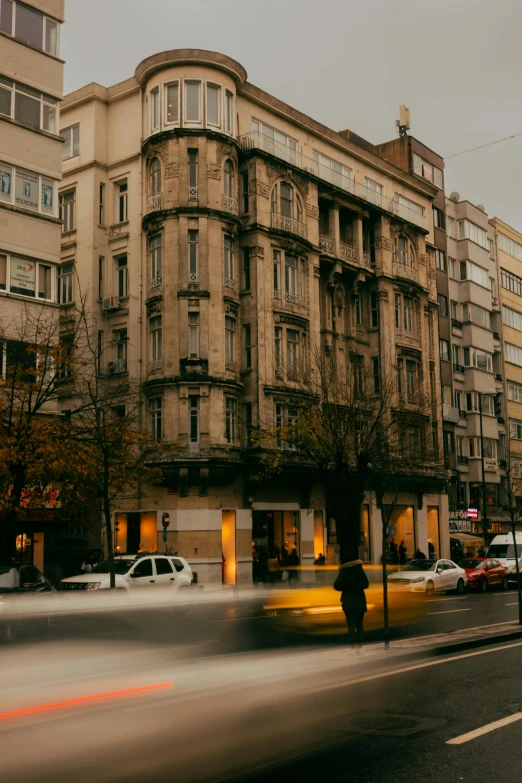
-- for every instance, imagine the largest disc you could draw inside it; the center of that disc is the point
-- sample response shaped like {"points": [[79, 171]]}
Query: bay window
{"points": [[29, 26], [154, 96], [229, 112], [156, 411], [26, 277], [471, 271], [228, 252], [474, 357], [172, 104], [468, 230], [192, 102], [156, 347], [213, 104], [230, 339], [27, 105], [230, 419], [155, 250]]}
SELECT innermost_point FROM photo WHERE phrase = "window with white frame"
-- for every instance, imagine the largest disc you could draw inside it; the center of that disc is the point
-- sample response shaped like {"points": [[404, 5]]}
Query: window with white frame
{"points": [[156, 416], [514, 391], [68, 210], [471, 271], [229, 112], [440, 260], [66, 283], [453, 268], [27, 190], [474, 403], [122, 275], [511, 282], [230, 419], [403, 251], [192, 102], [213, 105], [490, 448], [71, 138], [510, 247], [274, 141], [120, 339], [156, 347], [122, 193], [156, 252], [512, 318], [482, 360], [27, 277], [469, 230], [286, 202], [333, 171], [172, 104], [29, 26], [444, 350], [515, 429], [155, 177], [371, 184], [409, 209], [427, 170], [228, 258], [406, 313], [513, 354], [193, 329], [193, 255], [27, 105], [193, 418], [450, 227], [477, 315], [230, 341], [154, 98], [292, 353]]}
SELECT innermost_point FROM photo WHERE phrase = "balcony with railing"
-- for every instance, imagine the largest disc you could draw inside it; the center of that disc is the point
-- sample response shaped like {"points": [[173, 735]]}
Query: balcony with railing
{"points": [[290, 299], [403, 270], [154, 203], [290, 224], [230, 283], [155, 282], [348, 252], [327, 244], [231, 366], [257, 140], [155, 365], [230, 205]]}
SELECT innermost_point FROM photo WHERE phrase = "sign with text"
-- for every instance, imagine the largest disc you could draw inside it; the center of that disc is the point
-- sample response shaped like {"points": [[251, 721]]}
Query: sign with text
{"points": [[23, 276], [26, 189]]}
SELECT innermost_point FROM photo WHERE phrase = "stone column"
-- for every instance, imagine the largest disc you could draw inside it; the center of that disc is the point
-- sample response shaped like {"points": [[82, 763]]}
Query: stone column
{"points": [[334, 230], [358, 236]]}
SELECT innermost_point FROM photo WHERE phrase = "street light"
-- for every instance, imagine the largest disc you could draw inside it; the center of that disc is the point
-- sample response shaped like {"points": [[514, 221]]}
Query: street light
{"points": [[487, 393]]}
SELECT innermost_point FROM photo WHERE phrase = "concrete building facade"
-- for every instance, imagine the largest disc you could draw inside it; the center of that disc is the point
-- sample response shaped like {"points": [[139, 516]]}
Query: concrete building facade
{"points": [[220, 235], [31, 88]]}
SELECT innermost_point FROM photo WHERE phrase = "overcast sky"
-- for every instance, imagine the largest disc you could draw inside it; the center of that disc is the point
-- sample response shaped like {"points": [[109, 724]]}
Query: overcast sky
{"points": [[349, 64]]}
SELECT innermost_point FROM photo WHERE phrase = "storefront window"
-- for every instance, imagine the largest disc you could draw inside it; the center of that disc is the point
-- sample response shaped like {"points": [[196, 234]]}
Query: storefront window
{"points": [[402, 519], [275, 543], [475, 494], [433, 533]]}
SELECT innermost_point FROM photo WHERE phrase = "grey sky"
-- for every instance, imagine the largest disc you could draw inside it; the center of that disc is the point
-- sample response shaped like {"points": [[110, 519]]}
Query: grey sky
{"points": [[349, 64]]}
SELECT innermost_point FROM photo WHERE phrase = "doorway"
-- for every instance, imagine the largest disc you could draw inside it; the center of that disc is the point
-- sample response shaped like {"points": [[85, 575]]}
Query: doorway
{"points": [[228, 547], [133, 531]]}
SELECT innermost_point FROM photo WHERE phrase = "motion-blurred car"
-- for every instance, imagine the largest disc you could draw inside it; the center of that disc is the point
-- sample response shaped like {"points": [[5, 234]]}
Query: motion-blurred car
{"points": [[23, 578], [502, 549], [485, 574], [317, 611], [145, 569], [430, 576]]}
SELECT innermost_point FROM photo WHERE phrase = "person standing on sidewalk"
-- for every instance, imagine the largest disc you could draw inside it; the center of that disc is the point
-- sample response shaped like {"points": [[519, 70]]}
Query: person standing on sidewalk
{"points": [[351, 582]]}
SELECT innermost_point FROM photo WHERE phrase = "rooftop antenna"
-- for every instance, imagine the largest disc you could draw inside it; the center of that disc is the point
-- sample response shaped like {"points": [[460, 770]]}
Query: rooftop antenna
{"points": [[403, 124]]}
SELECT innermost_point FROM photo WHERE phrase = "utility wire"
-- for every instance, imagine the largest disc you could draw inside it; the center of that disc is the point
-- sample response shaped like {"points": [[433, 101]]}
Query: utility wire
{"points": [[490, 144]]}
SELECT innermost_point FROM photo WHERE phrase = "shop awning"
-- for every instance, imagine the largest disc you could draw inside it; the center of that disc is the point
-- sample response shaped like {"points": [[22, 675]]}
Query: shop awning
{"points": [[466, 538]]}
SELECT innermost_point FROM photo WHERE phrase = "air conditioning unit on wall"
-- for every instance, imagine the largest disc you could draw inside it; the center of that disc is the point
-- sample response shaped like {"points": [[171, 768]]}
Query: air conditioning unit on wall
{"points": [[110, 303]]}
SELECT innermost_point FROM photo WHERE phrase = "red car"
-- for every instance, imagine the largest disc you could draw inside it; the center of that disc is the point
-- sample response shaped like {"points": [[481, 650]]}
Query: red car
{"points": [[484, 573]]}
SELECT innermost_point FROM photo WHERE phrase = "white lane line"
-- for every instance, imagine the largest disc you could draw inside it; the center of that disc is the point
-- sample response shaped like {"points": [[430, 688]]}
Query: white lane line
{"points": [[515, 604], [394, 672], [438, 600], [450, 611], [497, 724]]}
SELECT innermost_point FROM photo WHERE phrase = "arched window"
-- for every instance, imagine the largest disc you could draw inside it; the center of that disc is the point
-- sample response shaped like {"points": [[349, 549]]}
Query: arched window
{"points": [[286, 201], [229, 178], [155, 177], [403, 251]]}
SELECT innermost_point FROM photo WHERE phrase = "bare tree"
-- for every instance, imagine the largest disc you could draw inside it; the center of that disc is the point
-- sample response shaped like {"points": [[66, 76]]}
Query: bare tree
{"points": [[512, 510]]}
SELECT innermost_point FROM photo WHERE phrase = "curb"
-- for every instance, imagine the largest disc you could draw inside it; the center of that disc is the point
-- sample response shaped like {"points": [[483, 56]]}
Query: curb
{"points": [[480, 641]]}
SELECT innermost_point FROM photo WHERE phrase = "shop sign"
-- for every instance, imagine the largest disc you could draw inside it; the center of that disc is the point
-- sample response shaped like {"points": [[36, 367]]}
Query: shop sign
{"points": [[23, 275], [490, 464]]}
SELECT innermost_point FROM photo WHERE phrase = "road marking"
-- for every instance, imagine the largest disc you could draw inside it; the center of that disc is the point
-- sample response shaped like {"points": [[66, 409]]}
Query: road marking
{"points": [[394, 672], [438, 600], [450, 611], [497, 724], [515, 604]]}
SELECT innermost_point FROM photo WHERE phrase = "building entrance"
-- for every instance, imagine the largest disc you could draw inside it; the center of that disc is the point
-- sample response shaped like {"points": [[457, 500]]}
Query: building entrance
{"points": [[275, 544]]}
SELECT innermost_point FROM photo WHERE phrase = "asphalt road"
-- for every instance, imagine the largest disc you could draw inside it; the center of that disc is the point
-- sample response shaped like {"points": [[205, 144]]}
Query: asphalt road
{"points": [[396, 729]]}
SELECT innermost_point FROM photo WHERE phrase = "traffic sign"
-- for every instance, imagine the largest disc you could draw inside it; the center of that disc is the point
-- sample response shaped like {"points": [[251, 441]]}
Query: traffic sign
{"points": [[165, 519]]}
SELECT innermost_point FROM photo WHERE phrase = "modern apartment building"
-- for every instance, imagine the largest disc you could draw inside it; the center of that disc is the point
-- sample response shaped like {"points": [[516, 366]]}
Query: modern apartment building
{"points": [[31, 88], [477, 449], [509, 259], [221, 235]]}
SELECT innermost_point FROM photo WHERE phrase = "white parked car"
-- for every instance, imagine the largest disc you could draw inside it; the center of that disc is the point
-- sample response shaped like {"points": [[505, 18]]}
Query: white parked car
{"points": [[503, 549], [429, 576], [132, 571]]}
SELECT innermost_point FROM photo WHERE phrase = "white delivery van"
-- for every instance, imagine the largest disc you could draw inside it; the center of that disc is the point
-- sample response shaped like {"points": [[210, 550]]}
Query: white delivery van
{"points": [[503, 549]]}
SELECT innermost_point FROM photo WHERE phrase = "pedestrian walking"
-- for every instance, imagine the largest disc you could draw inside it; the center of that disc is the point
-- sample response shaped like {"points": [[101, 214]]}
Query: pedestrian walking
{"points": [[393, 551], [419, 555], [403, 554], [431, 550], [351, 582]]}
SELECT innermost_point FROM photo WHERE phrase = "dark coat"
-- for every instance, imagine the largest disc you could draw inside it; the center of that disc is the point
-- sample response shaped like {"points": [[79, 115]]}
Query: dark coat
{"points": [[351, 582]]}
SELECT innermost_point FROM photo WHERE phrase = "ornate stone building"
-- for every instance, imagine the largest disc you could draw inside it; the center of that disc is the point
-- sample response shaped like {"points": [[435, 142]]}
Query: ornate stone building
{"points": [[221, 234]]}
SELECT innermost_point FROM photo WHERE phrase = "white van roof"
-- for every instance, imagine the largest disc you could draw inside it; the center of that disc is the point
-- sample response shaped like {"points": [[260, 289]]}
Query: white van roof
{"points": [[507, 539]]}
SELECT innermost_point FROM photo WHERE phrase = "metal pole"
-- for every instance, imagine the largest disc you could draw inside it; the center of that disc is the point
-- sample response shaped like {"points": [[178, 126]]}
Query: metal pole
{"points": [[484, 506]]}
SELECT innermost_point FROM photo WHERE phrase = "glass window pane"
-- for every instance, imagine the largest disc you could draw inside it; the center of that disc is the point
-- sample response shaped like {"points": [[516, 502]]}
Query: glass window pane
{"points": [[26, 189], [29, 26], [5, 102], [51, 36], [44, 281], [76, 140], [49, 118], [192, 101], [23, 276], [27, 110], [6, 17], [213, 104], [172, 103], [6, 183]]}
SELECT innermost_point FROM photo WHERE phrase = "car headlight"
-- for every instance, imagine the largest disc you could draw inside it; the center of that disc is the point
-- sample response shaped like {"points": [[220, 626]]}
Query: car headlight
{"points": [[473, 573], [418, 579], [93, 585]]}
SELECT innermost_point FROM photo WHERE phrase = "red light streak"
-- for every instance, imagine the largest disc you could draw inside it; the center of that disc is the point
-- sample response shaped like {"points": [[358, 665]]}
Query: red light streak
{"points": [[85, 700]]}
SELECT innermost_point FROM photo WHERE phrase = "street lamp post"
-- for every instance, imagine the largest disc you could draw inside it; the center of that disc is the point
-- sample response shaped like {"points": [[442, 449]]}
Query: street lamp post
{"points": [[488, 393]]}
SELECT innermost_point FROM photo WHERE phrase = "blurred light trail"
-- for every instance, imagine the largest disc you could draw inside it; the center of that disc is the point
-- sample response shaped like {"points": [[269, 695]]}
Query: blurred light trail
{"points": [[85, 700]]}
